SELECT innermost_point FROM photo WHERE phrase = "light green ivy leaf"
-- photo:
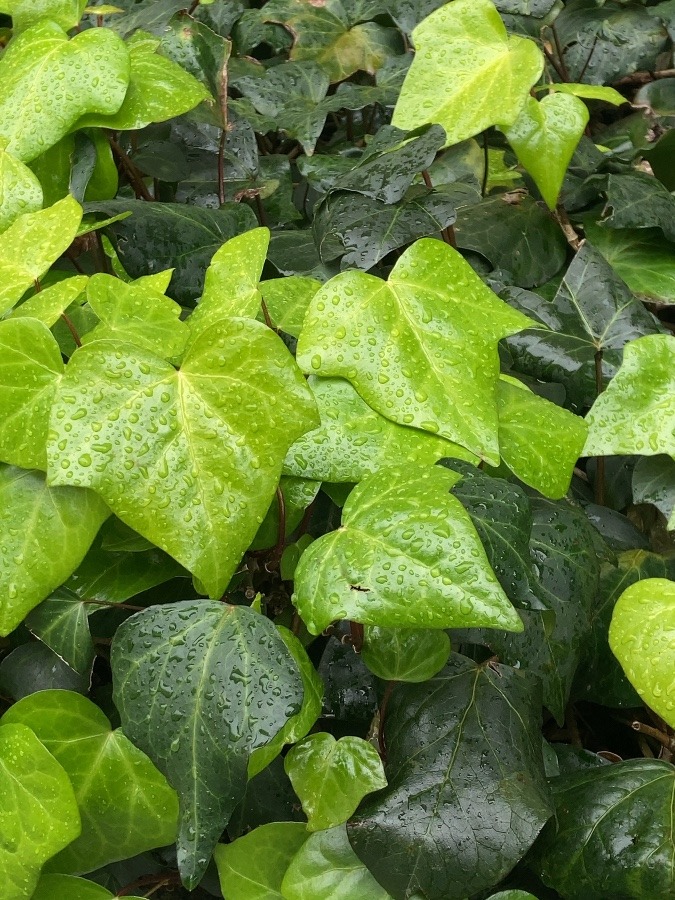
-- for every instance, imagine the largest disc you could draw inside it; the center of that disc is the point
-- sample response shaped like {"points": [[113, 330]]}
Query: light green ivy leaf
{"points": [[20, 190], [68, 887], [287, 300], [51, 302], [24, 13]]}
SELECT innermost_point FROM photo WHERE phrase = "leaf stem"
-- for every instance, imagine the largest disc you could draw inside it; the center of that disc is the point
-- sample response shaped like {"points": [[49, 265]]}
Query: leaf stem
{"points": [[599, 485], [558, 50], [132, 172], [72, 329], [389, 687], [662, 738], [115, 605], [589, 57], [486, 166]]}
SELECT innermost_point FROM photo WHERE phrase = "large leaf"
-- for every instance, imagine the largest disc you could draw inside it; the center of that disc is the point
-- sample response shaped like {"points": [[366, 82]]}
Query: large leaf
{"points": [[227, 684], [545, 136], [592, 312], [332, 777], [468, 73], [31, 244], [406, 555], [432, 831], [353, 441], [189, 459], [642, 638], [613, 833], [46, 533], [430, 360], [636, 414], [93, 69], [20, 190], [39, 813], [161, 235], [115, 824], [30, 371]]}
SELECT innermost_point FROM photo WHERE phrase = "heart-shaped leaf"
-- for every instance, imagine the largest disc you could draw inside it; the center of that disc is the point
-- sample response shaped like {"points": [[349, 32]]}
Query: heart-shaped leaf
{"points": [[406, 556], [20, 190], [227, 685], [115, 824], [39, 815], [405, 654], [189, 459], [468, 73], [545, 136], [93, 69], [430, 831], [430, 360]]}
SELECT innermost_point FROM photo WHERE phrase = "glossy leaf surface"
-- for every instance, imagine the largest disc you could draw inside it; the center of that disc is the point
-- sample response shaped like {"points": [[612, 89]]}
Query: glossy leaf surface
{"points": [[430, 360], [253, 866], [227, 685], [48, 304], [402, 654], [287, 301], [68, 887], [20, 190], [431, 831], [406, 555], [61, 622], [115, 824]]}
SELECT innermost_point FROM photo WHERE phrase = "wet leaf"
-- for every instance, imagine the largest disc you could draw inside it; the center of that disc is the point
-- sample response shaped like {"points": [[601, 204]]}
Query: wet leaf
{"points": [[61, 622], [24, 13], [403, 654], [68, 887], [253, 866], [20, 190], [33, 667], [287, 300], [654, 482], [639, 200], [48, 304]]}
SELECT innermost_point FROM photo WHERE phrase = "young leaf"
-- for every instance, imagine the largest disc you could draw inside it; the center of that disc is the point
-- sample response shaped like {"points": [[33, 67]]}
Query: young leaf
{"points": [[47, 531], [29, 375], [24, 13], [92, 69], [48, 305], [406, 556], [468, 73], [39, 813], [437, 752], [431, 359], [641, 638], [227, 685], [586, 91], [544, 138], [20, 190], [353, 441], [405, 654], [253, 866], [189, 459], [326, 868], [287, 301], [332, 777], [612, 834], [636, 414], [31, 244], [115, 824]]}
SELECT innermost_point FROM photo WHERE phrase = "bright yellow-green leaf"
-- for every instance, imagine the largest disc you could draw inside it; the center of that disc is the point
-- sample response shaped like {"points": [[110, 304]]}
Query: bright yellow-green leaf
{"points": [[586, 91], [20, 190], [25, 13], [50, 303], [253, 866]]}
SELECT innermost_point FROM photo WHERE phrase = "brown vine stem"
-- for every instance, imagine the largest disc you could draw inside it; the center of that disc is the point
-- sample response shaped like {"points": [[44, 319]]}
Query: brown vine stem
{"points": [[115, 605], [150, 883], [563, 220], [131, 171], [222, 101], [72, 329], [638, 78], [663, 739], [558, 50], [447, 233]]}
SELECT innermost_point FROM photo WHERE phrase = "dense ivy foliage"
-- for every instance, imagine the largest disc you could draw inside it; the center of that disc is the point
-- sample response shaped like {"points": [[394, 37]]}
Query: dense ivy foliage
{"points": [[337, 449]]}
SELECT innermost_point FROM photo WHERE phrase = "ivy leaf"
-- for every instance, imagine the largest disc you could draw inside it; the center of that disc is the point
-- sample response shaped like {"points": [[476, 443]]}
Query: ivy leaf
{"points": [[35, 518], [287, 300], [188, 459], [641, 638], [539, 441], [159, 89], [430, 831], [324, 36], [332, 777], [468, 73], [592, 312], [135, 313], [326, 867], [117, 576], [32, 667], [654, 482], [431, 358], [48, 304], [20, 190], [272, 847], [636, 414], [586, 92], [31, 244], [227, 685], [39, 815], [353, 441], [97, 760], [61, 622], [93, 69], [68, 887], [198, 49], [395, 560], [402, 654], [544, 138], [24, 13], [31, 370], [231, 281], [639, 200], [363, 231], [161, 235], [612, 833]]}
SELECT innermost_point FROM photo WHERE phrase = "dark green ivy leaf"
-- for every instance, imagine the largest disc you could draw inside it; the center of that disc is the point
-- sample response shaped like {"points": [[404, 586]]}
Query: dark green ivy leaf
{"points": [[639, 200]]}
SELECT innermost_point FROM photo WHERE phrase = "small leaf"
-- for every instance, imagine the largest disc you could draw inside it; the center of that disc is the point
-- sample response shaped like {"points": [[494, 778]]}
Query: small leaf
{"points": [[287, 301], [20, 190], [639, 200], [544, 138], [68, 887], [405, 654], [641, 638], [213, 705], [463, 52], [654, 482], [253, 866], [97, 760], [406, 555], [587, 92], [332, 777], [35, 519], [39, 815], [48, 305], [326, 868], [61, 622], [93, 69]]}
